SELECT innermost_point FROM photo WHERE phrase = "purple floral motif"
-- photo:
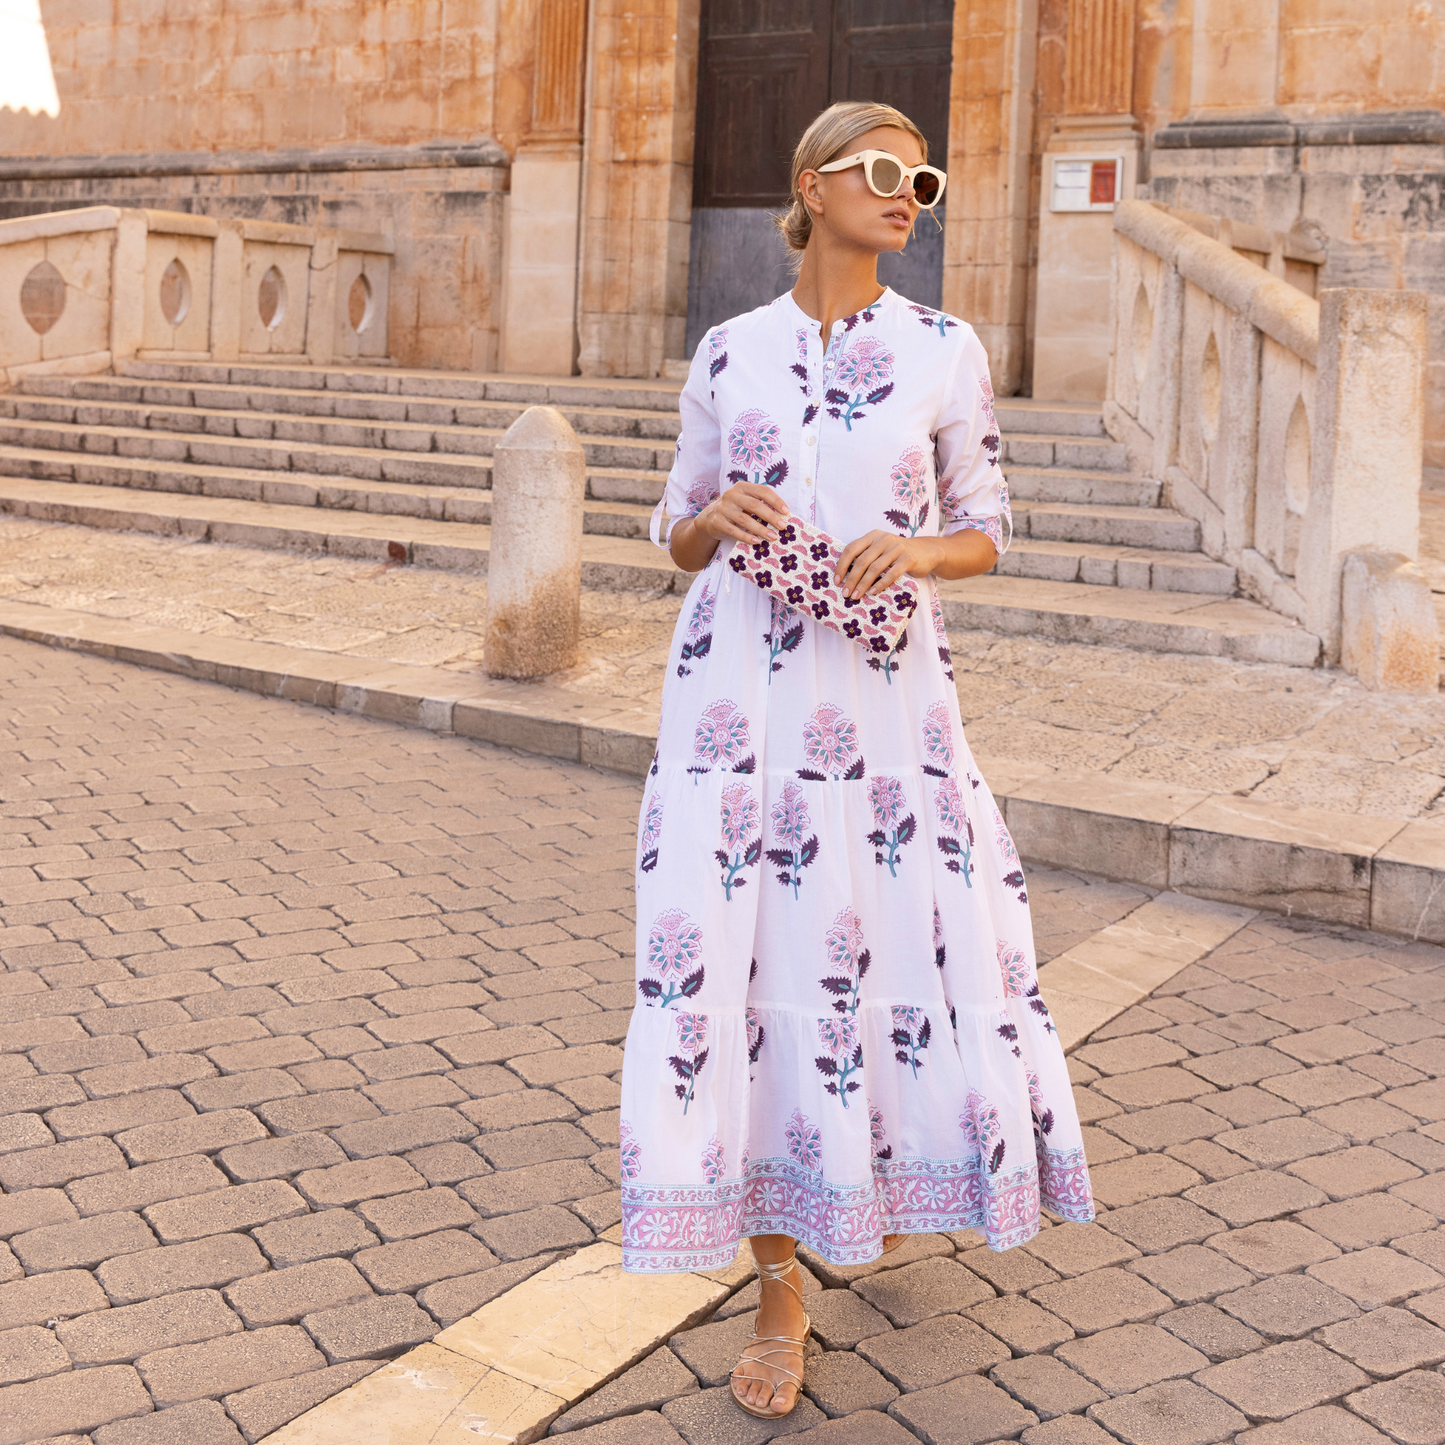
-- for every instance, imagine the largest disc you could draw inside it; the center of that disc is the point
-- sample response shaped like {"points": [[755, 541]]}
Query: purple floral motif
{"points": [[934, 320], [892, 832], [783, 636], [956, 840], [938, 741], [688, 1063], [848, 959], [741, 835], [887, 664], [911, 1033], [698, 642], [1043, 1117], [631, 1152], [651, 832], [940, 953], [805, 1143], [1004, 839], [863, 373], [800, 367], [986, 386], [791, 826], [843, 1059], [940, 633], [982, 1130], [752, 441], [703, 491], [757, 1035], [712, 1161], [721, 737], [717, 357], [830, 742], [1013, 967], [674, 945], [910, 491], [877, 1133]]}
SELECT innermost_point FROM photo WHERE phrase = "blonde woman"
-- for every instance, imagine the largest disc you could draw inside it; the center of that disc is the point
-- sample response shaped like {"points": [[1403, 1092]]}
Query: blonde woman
{"points": [[838, 1037]]}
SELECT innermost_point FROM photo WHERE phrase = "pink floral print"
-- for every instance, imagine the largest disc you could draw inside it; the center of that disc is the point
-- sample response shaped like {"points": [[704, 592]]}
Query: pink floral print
{"points": [[848, 959], [673, 946], [891, 831], [804, 1141], [792, 828], [753, 440], [830, 742], [863, 373], [910, 491], [651, 831], [688, 1062], [722, 736], [741, 835], [937, 740], [844, 1057]]}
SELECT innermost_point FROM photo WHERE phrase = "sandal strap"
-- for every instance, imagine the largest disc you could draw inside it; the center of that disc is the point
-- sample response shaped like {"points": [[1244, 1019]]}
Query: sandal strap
{"points": [[779, 1273]]}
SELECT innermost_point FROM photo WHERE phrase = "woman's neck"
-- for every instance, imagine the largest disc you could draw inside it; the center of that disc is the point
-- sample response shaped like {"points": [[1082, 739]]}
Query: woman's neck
{"points": [[834, 282]]}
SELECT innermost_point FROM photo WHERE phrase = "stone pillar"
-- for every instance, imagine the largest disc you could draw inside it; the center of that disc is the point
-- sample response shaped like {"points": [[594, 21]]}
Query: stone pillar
{"points": [[1366, 441], [1389, 637], [534, 569], [539, 327], [1234, 59], [990, 141], [1097, 129]]}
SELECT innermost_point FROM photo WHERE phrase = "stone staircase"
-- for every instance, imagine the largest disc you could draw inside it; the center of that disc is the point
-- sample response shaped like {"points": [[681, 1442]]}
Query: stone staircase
{"points": [[376, 462]]}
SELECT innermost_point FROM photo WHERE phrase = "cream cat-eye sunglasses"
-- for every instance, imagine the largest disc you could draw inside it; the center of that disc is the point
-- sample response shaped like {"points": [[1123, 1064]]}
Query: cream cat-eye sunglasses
{"points": [[885, 175]]}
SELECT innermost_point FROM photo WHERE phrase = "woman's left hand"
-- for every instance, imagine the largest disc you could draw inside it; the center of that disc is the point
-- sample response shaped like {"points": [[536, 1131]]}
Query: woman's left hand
{"points": [[876, 561]]}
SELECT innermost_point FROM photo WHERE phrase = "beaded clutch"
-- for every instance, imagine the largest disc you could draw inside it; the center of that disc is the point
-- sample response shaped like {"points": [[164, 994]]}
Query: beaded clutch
{"points": [[798, 568]]}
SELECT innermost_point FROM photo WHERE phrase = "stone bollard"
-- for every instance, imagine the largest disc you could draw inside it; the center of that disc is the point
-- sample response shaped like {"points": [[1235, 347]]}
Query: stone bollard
{"points": [[1388, 634], [534, 572]]}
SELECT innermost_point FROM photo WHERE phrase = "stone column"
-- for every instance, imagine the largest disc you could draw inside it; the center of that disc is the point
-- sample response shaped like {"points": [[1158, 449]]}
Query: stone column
{"points": [[1234, 59], [990, 140], [539, 308], [1071, 330], [534, 568]]}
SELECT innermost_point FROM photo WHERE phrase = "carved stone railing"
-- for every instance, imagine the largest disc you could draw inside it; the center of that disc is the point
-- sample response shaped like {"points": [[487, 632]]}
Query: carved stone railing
{"points": [[85, 290], [1290, 428]]}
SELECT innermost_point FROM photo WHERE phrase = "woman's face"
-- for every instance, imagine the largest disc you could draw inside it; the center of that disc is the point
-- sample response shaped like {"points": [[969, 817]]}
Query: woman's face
{"points": [[842, 203]]}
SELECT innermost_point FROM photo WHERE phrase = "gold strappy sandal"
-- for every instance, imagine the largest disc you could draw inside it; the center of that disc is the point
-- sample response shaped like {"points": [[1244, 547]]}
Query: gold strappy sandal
{"points": [[778, 1272]]}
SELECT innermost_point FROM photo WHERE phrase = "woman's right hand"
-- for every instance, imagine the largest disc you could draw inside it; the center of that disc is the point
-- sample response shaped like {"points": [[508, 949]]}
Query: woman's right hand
{"points": [[744, 512]]}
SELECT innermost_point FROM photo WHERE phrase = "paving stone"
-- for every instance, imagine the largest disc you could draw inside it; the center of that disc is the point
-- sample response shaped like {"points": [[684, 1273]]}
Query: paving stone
{"points": [[1351, 1172], [1387, 1341], [283, 1296], [964, 1411], [503, 1112], [646, 1386], [450, 1300], [1075, 1249], [930, 1353], [145, 1185], [23, 1131], [1427, 1193], [1363, 1120], [1287, 1306], [109, 1116], [200, 1135], [1128, 1055], [265, 1408], [1144, 1176], [536, 1144], [1329, 1084], [840, 1383], [514, 1190], [1430, 1306], [591, 1094], [279, 1158], [1327, 1045], [865, 1427], [1281, 1141], [913, 1248], [711, 1351], [841, 1319], [918, 1291], [411, 1263], [1247, 1106], [1010, 1271], [49, 1296], [1421, 1150], [531, 1231], [220, 1367], [1212, 1332], [1066, 1430], [371, 1329], [58, 1164], [1282, 1380], [34, 1209], [201, 1422], [82, 1243], [1151, 1087], [1246, 1065], [115, 1336], [1360, 1223], [1130, 1358], [598, 1212], [1160, 1224], [448, 1163], [330, 1109], [313, 1236], [1101, 1300], [646, 1428], [1277, 1247], [1259, 1195], [1324, 1425], [30, 1353], [203, 1264], [712, 1417], [1375, 1277], [224, 1211], [400, 1132], [1021, 1324], [1045, 1385], [1411, 1409], [358, 1180], [1191, 1273], [1176, 1413], [1091, 1107], [1103, 1148], [239, 1091], [422, 1211], [1429, 1246], [76, 1401]]}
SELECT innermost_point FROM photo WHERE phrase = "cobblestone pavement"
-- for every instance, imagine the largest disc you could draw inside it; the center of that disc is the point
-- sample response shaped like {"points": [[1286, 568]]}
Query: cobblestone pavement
{"points": [[309, 1031], [1286, 735]]}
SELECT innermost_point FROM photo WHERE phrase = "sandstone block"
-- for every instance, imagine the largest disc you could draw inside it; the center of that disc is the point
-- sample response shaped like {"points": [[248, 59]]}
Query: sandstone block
{"points": [[1389, 637]]}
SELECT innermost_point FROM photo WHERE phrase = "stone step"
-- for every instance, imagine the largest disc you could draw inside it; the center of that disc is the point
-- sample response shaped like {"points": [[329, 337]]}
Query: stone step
{"points": [[1140, 568], [1072, 611], [1158, 528], [1039, 449], [44, 398], [397, 381], [1057, 418], [1064, 484]]}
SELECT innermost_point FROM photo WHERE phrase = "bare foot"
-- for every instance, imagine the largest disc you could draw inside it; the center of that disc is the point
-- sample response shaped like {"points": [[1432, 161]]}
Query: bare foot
{"points": [[780, 1313]]}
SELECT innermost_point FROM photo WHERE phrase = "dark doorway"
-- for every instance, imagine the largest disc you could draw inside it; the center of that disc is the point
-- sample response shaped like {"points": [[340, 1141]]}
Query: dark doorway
{"points": [[765, 69]]}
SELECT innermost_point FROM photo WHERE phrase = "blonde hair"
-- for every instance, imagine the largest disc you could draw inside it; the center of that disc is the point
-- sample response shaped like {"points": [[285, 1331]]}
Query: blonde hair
{"points": [[827, 138]]}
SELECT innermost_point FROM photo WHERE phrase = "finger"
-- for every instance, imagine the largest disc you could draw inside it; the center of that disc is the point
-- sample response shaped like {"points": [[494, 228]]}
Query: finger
{"points": [[873, 578], [850, 552], [869, 567]]}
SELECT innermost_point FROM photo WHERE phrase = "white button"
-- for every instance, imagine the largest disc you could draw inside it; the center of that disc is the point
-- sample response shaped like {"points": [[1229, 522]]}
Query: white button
{"points": [[812, 441], [807, 481]]}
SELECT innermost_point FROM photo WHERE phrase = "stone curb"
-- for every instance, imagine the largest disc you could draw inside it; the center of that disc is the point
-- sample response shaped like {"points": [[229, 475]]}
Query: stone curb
{"points": [[1387, 874]]}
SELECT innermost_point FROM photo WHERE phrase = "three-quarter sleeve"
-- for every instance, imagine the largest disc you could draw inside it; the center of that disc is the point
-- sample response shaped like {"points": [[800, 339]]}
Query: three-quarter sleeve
{"points": [[695, 478], [971, 487]]}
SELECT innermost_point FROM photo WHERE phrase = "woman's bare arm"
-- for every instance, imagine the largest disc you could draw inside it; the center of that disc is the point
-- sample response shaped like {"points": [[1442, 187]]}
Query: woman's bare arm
{"points": [[743, 512], [878, 560]]}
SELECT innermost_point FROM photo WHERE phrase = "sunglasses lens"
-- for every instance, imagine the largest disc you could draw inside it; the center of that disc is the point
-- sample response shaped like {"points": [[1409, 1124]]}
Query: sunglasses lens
{"points": [[886, 175], [925, 188]]}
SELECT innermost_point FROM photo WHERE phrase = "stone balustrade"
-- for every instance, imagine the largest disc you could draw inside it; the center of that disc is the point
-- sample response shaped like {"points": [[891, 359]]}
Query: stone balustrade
{"points": [[83, 290], [1289, 427]]}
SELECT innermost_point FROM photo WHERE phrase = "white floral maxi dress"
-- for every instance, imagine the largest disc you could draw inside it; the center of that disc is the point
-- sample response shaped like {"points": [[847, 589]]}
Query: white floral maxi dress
{"points": [[838, 1032]]}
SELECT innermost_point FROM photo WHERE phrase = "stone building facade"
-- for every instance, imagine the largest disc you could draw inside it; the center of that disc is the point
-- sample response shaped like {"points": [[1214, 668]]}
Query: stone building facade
{"points": [[534, 159]]}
